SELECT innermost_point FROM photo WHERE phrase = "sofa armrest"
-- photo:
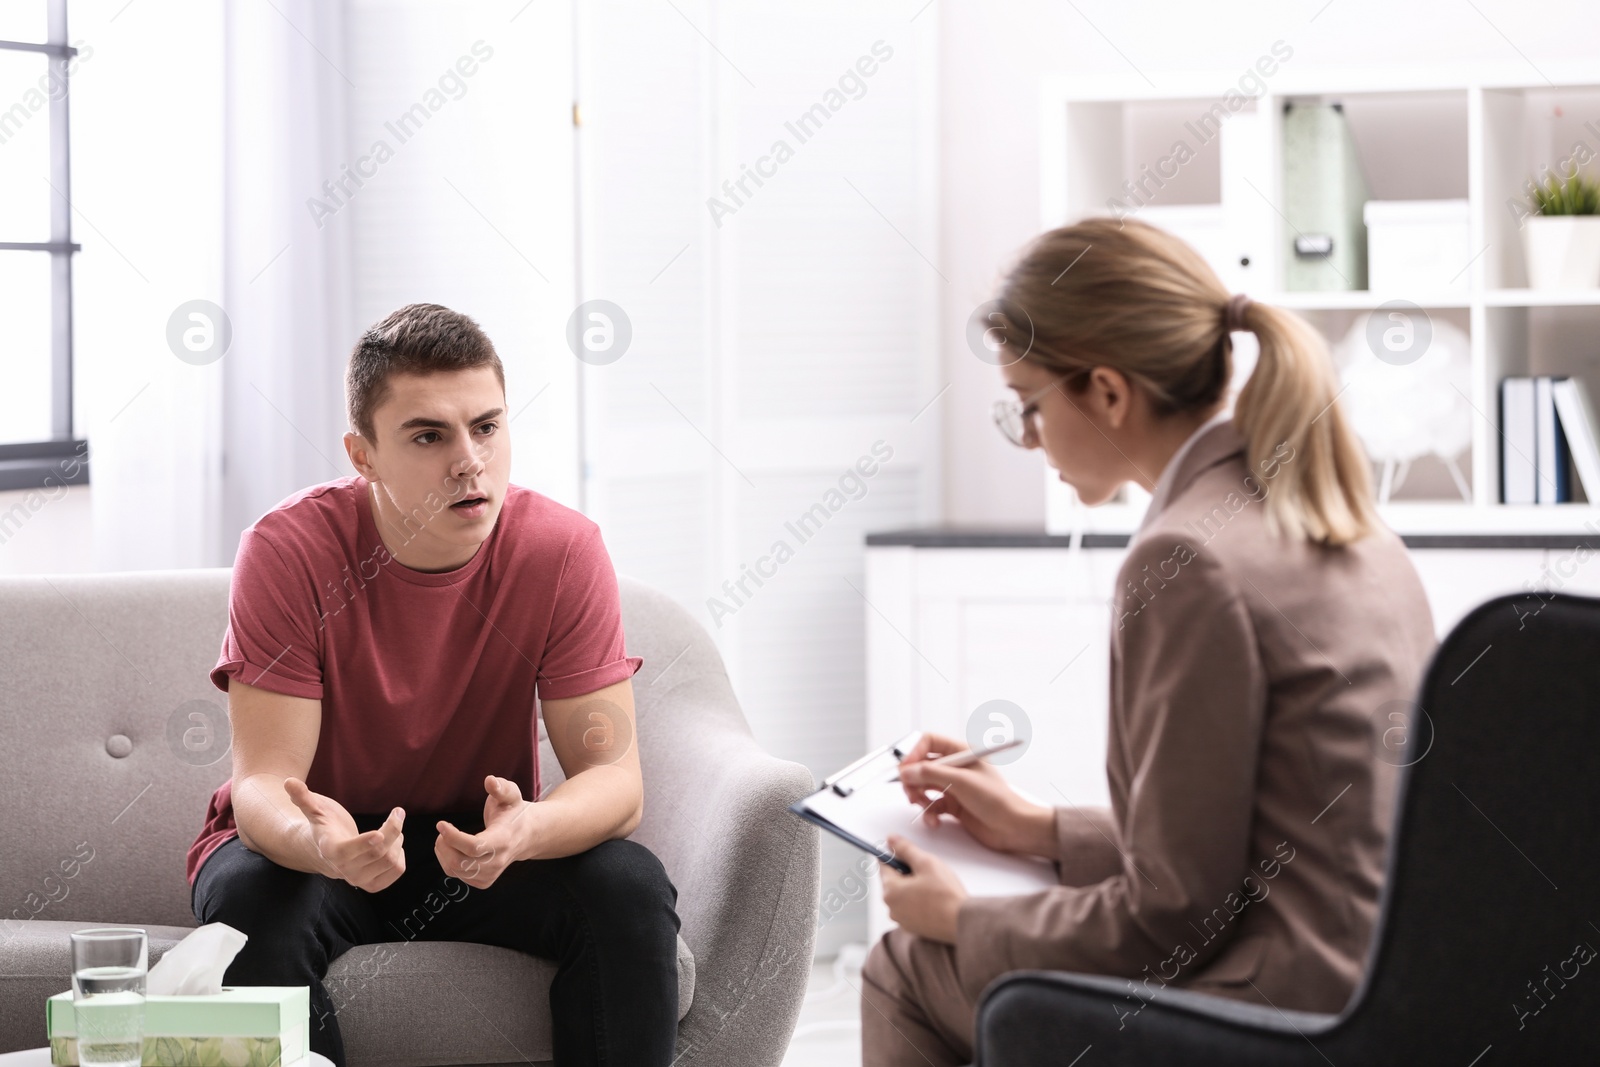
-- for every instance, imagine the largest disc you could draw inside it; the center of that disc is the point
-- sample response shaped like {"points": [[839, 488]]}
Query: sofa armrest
{"points": [[1039, 1018]]}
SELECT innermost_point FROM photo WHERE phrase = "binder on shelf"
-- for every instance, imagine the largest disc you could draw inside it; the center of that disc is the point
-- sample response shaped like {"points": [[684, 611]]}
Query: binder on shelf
{"points": [[1518, 442], [1576, 416], [1323, 192]]}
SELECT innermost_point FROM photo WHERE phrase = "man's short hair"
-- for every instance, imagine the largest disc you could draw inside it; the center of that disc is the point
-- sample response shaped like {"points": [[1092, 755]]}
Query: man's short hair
{"points": [[416, 339]]}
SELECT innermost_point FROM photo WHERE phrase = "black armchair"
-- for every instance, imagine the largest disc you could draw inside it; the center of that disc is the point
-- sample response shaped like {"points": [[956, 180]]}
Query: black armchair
{"points": [[1486, 949]]}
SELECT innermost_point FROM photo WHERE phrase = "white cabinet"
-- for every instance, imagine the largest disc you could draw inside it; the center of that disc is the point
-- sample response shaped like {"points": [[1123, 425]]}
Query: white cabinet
{"points": [[1458, 580], [1028, 625]]}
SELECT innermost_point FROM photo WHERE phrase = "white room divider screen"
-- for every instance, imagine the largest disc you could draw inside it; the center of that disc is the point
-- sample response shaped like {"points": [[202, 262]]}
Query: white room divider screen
{"points": [[757, 208]]}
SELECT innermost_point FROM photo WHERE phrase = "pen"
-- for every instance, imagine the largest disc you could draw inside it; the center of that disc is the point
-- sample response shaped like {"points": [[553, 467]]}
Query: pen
{"points": [[971, 755]]}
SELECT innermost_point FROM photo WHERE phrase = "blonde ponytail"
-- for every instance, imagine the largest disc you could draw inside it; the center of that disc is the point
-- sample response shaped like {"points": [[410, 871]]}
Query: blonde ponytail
{"points": [[1288, 404], [1145, 303]]}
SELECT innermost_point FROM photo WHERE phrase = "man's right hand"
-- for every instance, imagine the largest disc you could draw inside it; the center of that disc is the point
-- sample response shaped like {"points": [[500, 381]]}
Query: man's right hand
{"points": [[371, 861]]}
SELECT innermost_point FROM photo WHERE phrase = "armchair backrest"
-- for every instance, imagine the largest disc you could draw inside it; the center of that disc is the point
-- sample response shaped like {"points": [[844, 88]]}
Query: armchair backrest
{"points": [[1489, 930]]}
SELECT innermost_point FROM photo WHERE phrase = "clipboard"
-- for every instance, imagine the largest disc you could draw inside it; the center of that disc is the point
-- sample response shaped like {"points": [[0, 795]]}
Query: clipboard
{"points": [[861, 804], [875, 765]]}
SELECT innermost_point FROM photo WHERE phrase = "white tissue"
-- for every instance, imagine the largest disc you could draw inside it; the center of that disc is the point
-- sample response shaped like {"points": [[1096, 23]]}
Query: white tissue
{"points": [[196, 964]]}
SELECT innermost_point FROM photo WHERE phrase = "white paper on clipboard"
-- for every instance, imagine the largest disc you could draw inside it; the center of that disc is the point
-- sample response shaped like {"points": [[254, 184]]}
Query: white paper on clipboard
{"points": [[877, 807]]}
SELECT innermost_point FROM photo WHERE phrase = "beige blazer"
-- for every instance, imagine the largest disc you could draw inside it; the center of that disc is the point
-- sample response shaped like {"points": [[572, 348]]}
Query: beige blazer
{"points": [[1252, 762]]}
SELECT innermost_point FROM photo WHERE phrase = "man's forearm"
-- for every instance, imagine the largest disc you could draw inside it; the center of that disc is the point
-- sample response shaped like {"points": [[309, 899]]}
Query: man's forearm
{"points": [[271, 825], [592, 806]]}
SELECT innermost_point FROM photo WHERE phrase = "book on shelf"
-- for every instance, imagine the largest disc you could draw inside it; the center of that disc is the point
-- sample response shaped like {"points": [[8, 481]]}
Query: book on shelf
{"points": [[1547, 428], [1550, 460], [1517, 436], [1576, 416]]}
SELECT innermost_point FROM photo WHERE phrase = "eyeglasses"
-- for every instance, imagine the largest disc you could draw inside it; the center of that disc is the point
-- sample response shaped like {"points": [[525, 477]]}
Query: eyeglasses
{"points": [[1015, 417]]}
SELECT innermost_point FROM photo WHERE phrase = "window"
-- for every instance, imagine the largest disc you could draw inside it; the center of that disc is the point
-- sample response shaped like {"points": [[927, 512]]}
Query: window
{"points": [[37, 446]]}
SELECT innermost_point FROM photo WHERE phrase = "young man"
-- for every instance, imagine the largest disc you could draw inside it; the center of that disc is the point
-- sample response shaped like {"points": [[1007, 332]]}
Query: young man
{"points": [[386, 635]]}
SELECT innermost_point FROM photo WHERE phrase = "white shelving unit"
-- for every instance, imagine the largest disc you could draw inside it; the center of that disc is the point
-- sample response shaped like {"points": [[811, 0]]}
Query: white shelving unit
{"points": [[1456, 133]]}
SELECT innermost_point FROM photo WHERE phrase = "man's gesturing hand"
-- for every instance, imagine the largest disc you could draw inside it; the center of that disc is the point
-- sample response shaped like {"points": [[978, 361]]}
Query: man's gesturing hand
{"points": [[371, 860], [478, 859]]}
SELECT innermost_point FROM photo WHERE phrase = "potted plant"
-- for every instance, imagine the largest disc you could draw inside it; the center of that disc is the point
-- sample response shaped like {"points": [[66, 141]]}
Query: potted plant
{"points": [[1562, 239]]}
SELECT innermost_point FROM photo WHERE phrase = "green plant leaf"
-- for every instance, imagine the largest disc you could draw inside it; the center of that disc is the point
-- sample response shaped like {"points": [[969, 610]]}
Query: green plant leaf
{"points": [[1576, 194]]}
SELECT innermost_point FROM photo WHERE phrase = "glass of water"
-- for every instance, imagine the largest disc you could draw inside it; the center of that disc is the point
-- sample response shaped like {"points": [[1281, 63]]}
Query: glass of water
{"points": [[108, 973]]}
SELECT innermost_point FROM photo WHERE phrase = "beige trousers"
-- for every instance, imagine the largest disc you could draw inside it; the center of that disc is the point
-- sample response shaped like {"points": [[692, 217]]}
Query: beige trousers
{"points": [[914, 1012]]}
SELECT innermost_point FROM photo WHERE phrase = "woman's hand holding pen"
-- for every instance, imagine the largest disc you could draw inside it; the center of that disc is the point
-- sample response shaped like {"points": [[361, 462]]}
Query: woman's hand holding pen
{"points": [[978, 796], [927, 902]]}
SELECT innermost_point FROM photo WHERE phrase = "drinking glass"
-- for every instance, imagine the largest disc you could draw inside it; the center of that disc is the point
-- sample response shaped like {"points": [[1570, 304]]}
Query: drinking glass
{"points": [[108, 975]]}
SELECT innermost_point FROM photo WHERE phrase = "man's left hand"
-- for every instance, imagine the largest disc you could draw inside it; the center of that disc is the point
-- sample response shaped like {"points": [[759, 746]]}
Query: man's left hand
{"points": [[926, 901], [478, 859]]}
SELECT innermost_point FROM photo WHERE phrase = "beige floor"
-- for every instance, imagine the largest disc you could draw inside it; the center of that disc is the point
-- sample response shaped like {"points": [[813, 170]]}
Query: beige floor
{"points": [[829, 1031]]}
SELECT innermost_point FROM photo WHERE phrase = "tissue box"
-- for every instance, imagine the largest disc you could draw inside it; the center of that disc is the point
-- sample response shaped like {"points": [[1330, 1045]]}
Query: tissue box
{"points": [[242, 1026]]}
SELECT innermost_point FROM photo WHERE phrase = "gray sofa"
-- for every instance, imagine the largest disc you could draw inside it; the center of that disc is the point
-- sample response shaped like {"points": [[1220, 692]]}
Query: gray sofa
{"points": [[107, 766]]}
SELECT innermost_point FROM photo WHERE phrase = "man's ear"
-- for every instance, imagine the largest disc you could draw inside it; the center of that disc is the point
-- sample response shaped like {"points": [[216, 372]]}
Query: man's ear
{"points": [[357, 448]]}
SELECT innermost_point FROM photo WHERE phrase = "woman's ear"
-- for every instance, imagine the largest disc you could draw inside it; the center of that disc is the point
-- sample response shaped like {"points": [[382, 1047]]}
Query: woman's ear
{"points": [[1109, 398]]}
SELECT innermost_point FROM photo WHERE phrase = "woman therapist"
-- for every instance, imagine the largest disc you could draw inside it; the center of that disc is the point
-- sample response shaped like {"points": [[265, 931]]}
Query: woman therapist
{"points": [[1265, 626]]}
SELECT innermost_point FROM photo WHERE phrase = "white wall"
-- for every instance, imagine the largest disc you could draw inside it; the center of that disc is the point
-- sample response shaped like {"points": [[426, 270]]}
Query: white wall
{"points": [[993, 57], [46, 532]]}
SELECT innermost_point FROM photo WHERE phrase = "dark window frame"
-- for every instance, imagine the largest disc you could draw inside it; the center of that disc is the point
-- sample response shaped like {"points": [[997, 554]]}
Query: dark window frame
{"points": [[63, 458]]}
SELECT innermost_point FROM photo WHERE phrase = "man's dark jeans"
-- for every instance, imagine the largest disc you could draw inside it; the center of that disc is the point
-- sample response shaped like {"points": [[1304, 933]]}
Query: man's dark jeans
{"points": [[605, 917]]}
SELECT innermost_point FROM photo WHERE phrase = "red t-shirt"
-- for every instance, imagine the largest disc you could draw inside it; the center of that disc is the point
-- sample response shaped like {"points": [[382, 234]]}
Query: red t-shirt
{"points": [[426, 679]]}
